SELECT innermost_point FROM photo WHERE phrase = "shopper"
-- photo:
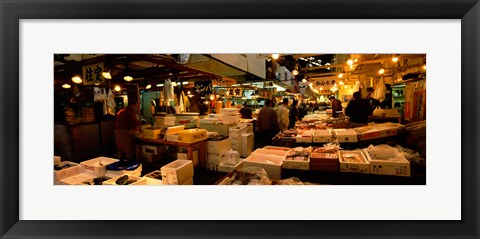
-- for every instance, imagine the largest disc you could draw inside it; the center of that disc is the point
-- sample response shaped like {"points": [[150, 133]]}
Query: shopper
{"points": [[282, 115], [358, 110], [336, 106], [293, 114], [246, 112], [308, 108], [301, 110], [267, 125], [127, 126]]}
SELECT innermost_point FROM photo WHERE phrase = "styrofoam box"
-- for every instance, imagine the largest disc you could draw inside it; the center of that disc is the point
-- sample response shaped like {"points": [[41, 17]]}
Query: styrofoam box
{"points": [[346, 135], [230, 168], [398, 167], [229, 111], [237, 131], [137, 172], [304, 139], [222, 129], [77, 179], [278, 153], [218, 147], [322, 136], [248, 126], [215, 116], [184, 156], [177, 172], [296, 164], [247, 144], [93, 166], [271, 163], [213, 160], [66, 172], [231, 119], [140, 180], [171, 137], [192, 135], [152, 181], [151, 133], [157, 174], [56, 160], [353, 167]]}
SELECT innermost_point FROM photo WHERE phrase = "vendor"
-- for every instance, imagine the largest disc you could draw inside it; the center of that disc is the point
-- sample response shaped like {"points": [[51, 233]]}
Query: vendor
{"points": [[358, 110], [336, 106], [127, 126]]}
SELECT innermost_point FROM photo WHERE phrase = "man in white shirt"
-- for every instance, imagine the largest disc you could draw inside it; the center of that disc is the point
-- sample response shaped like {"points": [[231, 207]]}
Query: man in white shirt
{"points": [[282, 115]]}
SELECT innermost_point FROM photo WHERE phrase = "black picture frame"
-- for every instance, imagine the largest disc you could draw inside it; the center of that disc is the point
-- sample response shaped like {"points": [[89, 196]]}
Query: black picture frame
{"points": [[13, 11]]}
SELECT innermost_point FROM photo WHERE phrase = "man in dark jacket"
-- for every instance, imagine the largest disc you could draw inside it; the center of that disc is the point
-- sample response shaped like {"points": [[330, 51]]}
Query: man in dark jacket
{"points": [[358, 110], [267, 124]]}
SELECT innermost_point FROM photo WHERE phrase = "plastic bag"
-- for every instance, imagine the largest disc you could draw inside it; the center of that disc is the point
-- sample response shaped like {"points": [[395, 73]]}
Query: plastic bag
{"points": [[231, 157], [383, 151], [249, 176], [111, 103], [97, 95], [380, 90], [378, 112]]}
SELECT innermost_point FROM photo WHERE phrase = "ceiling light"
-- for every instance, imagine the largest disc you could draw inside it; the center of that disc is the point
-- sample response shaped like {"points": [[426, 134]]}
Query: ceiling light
{"points": [[128, 78], [350, 62], [425, 67], [394, 58], [321, 88], [117, 88], [188, 92], [77, 79], [341, 83], [356, 60], [381, 71], [148, 86], [66, 86], [159, 85], [107, 74], [311, 84], [185, 83], [304, 80], [340, 75], [275, 56], [295, 72], [346, 86]]}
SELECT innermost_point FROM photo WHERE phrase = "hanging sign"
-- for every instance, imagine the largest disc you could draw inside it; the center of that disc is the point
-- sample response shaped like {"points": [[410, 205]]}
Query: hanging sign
{"points": [[92, 74], [203, 87], [235, 92], [325, 83]]}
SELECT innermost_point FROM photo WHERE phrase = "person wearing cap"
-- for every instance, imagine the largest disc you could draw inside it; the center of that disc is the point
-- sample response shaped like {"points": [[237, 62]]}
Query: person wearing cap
{"points": [[336, 106], [282, 115]]}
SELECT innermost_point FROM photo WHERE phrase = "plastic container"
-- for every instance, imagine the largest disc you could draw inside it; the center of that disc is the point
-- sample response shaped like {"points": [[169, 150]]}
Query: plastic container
{"points": [[177, 172], [97, 166]]}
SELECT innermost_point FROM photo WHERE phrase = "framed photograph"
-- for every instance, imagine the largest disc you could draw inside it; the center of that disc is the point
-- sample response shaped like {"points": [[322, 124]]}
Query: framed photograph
{"points": [[32, 32]]}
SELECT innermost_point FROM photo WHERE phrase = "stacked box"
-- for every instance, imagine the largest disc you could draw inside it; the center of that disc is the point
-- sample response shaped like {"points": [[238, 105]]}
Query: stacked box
{"points": [[151, 153], [235, 134], [353, 161], [247, 125], [192, 135], [271, 162], [215, 151], [398, 166], [177, 172], [322, 136], [247, 144], [324, 162], [305, 136]]}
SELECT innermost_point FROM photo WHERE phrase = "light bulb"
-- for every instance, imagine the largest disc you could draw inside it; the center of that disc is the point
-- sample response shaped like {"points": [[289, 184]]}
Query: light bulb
{"points": [[295, 72], [128, 78], [311, 84], [381, 71], [106, 75], [394, 59], [350, 62], [188, 92], [304, 80], [275, 56], [212, 97], [341, 83], [148, 86], [340, 75], [425, 67], [117, 88], [66, 86], [77, 79]]}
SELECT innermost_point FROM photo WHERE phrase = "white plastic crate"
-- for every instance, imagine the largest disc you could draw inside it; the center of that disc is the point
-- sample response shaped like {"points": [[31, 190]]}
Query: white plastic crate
{"points": [[177, 172], [97, 166], [139, 180], [74, 169], [271, 163]]}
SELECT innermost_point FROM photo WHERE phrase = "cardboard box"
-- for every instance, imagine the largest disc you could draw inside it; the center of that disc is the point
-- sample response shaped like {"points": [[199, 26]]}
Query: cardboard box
{"points": [[72, 170], [345, 135], [192, 135], [151, 153], [77, 179], [322, 136], [376, 131], [151, 133], [304, 139], [218, 147], [97, 166], [177, 172], [247, 144], [399, 166], [139, 180], [349, 165], [271, 163]]}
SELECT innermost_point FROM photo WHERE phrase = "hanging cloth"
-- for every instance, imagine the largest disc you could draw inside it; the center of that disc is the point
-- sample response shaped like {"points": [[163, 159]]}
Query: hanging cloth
{"points": [[380, 90]]}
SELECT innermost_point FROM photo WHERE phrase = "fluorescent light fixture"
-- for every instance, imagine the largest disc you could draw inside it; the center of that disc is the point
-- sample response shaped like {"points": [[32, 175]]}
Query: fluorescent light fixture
{"points": [[185, 83], [159, 85]]}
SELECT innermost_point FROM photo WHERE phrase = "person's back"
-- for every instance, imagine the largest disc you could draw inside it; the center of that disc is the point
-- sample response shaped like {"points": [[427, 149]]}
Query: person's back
{"points": [[246, 112], [358, 110], [127, 125], [267, 119], [282, 115]]}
